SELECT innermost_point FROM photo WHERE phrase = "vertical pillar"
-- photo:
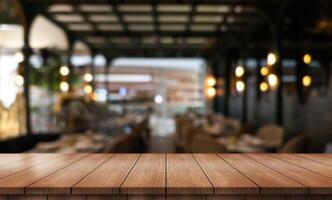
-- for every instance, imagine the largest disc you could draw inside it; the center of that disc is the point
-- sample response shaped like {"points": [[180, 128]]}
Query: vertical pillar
{"points": [[227, 84], [93, 72], [245, 93], [216, 71], [279, 73], [326, 64], [69, 64], [259, 79], [231, 55], [106, 73], [299, 73], [26, 19], [27, 69]]}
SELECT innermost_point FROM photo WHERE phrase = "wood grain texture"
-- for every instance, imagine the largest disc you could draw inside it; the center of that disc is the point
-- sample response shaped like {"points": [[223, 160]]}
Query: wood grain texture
{"points": [[108, 178], [27, 162], [266, 197], [147, 177], [106, 197], [317, 183], [146, 197], [170, 176], [321, 158], [308, 164], [225, 197], [66, 197], [16, 183], [305, 197], [184, 176], [27, 197], [62, 181], [186, 197], [224, 178], [6, 159], [269, 181]]}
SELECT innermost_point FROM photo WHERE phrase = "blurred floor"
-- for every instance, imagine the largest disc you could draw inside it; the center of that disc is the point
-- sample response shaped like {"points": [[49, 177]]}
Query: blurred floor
{"points": [[162, 144], [162, 131]]}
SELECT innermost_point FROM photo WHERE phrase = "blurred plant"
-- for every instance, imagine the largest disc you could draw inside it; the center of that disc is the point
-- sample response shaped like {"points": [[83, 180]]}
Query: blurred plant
{"points": [[47, 75]]}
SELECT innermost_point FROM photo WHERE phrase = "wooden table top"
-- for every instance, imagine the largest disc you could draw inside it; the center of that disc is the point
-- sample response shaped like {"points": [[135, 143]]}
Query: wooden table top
{"points": [[174, 174]]}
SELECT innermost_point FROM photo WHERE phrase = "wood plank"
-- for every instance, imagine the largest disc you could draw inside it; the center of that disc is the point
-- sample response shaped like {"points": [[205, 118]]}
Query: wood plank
{"points": [[317, 183], [184, 176], [27, 197], [27, 162], [305, 197], [62, 181], [269, 181], [224, 178], [66, 197], [226, 197], [106, 197], [15, 183], [117, 169], [306, 163], [266, 197], [321, 158], [146, 197], [186, 197], [9, 158], [147, 177]]}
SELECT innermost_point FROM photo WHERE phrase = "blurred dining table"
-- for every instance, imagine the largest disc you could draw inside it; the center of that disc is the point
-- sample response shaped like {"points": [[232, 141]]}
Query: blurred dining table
{"points": [[74, 143], [244, 144]]}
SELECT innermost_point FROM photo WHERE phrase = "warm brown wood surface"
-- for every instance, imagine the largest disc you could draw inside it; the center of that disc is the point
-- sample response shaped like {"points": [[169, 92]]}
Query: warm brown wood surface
{"points": [[318, 184], [17, 182], [108, 178], [269, 180], [160, 176], [184, 175], [62, 181], [148, 176], [306, 163], [224, 178]]}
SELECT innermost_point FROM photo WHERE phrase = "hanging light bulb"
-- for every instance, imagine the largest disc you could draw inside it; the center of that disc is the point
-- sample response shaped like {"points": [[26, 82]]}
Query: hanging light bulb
{"points": [[273, 80], [307, 59], [19, 57], [307, 80], [240, 86], [239, 71], [19, 80], [64, 86], [211, 81], [88, 89], [264, 71], [264, 86], [88, 77], [211, 92], [271, 58], [64, 70]]}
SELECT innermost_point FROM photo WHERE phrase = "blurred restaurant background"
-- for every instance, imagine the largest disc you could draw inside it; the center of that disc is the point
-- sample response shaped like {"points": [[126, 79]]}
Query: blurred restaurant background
{"points": [[237, 76]]}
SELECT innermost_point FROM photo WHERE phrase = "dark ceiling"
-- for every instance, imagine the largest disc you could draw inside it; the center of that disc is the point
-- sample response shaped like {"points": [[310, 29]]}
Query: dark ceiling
{"points": [[181, 27]]}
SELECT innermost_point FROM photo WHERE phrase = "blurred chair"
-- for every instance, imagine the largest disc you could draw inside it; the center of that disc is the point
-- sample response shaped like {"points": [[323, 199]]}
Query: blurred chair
{"points": [[132, 143], [203, 143], [190, 134], [232, 126], [294, 145], [272, 135], [182, 129]]}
